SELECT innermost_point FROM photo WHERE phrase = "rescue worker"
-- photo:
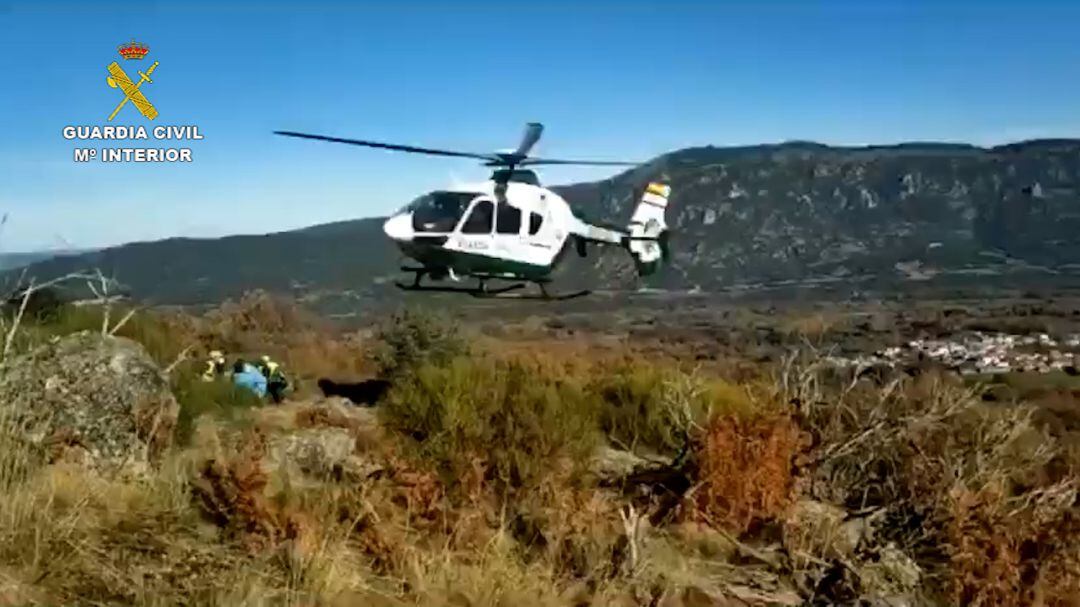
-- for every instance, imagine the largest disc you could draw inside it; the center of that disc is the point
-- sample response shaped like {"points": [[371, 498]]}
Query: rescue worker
{"points": [[264, 365], [276, 382], [215, 366], [247, 376]]}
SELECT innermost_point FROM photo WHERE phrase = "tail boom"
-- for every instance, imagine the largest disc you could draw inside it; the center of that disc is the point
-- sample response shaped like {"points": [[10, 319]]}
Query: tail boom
{"points": [[646, 235]]}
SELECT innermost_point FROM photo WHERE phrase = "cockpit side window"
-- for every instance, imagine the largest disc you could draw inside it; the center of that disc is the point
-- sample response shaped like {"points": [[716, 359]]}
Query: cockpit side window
{"points": [[438, 211], [480, 219]]}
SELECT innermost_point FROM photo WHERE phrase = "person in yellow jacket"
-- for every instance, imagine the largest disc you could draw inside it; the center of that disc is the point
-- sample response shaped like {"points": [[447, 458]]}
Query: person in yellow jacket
{"points": [[276, 382], [215, 366]]}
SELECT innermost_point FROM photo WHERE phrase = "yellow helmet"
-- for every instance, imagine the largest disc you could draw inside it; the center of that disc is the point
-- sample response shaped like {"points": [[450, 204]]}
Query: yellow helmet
{"points": [[266, 359]]}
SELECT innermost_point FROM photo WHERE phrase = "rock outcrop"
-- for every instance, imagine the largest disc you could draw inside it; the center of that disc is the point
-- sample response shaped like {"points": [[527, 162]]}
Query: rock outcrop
{"points": [[317, 440], [97, 399]]}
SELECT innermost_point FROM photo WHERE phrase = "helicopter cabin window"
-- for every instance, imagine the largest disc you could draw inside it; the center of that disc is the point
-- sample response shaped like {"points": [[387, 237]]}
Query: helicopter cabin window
{"points": [[480, 219], [535, 221], [438, 211], [507, 219]]}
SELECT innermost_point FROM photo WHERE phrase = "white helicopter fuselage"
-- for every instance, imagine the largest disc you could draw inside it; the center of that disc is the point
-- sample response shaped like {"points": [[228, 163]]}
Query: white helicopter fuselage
{"points": [[512, 229]]}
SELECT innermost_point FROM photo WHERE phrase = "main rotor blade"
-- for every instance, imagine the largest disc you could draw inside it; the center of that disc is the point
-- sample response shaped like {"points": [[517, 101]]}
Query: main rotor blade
{"points": [[533, 130], [389, 146], [534, 161]]}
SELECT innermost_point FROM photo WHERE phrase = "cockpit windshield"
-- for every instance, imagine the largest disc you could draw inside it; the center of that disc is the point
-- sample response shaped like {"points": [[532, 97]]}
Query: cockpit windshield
{"points": [[438, 211]]}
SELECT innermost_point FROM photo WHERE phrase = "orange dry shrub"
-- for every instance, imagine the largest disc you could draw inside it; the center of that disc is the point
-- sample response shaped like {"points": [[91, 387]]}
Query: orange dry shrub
{"points": [[583, 533], [231, 492], [419, 492], [744, 470], [384, 555], [1004, 553], [986, 561]]}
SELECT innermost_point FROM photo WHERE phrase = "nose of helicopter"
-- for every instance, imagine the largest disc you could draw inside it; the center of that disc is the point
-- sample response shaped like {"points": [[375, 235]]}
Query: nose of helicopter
{"points": [[399, 227]]}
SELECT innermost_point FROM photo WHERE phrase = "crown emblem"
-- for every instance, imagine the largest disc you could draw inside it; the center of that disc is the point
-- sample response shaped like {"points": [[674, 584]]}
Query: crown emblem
{"points": [[133, 50]]}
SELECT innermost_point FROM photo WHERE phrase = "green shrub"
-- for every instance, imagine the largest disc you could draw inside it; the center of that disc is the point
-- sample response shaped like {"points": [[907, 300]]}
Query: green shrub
{"points": [[506, 415], [413, 337], [653, 407], [519, 417], [220, 398], [162, 339]]}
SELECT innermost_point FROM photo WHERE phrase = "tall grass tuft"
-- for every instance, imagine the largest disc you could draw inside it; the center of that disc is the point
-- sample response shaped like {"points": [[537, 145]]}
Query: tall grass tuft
{"points": [[653, 407]]}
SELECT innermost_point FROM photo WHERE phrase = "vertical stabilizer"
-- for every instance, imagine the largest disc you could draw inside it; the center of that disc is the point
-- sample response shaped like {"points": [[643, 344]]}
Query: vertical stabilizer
{"points": [[648, 228]]}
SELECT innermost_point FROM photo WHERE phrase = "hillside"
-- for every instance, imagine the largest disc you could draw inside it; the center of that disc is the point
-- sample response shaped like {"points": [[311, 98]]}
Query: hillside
{"points": [[804, 212], [886, 217], [9, 261], [340, 256]]}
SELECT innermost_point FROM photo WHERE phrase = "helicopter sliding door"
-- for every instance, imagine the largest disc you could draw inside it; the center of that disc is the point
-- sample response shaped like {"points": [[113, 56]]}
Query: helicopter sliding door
{"points": [[507, 240], [491, 235], [474, 232]]}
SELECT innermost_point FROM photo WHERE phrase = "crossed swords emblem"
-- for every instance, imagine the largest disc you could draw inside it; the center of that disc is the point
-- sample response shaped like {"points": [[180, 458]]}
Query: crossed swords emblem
{"points": [[119, 79]]}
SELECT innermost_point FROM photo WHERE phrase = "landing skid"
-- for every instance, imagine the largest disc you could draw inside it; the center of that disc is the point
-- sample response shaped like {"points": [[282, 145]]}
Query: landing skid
{"points": [[474, 291], [482, 291], [544, 295]]}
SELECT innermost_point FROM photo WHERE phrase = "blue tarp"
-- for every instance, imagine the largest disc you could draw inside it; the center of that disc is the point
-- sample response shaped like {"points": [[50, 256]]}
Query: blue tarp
{"points": [[251, 379]]}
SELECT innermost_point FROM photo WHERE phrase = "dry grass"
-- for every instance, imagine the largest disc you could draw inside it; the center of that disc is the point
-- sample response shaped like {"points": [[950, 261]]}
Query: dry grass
{"points": [[308, 346], [475, 489], [983, 496]]}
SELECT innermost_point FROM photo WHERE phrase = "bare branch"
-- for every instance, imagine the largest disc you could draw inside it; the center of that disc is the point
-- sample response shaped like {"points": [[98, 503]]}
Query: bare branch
{"points": [[27, 293], [10, 339], [181, 357], [631, 520], [55, 281], [122, 321], [106, 304]]}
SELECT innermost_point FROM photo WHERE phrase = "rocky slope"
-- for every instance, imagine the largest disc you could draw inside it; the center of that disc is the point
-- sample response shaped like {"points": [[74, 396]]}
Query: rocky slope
{"points": [[891, 218], [805, 212]]}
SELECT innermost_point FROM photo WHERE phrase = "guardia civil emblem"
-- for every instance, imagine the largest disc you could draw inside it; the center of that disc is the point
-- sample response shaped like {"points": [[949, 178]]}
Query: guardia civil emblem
{"points": [[118, 79]]}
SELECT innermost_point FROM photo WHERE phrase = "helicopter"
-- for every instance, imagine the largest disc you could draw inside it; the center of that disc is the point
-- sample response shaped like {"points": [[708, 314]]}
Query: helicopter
{"points": [[509, 228]]}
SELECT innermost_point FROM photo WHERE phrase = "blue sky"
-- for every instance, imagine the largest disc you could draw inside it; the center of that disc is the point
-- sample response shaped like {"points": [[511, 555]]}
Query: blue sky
{"points": [[626, 80]]}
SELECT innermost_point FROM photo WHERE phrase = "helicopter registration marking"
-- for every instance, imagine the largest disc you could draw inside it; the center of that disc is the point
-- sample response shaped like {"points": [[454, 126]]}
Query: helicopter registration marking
{"points": [[473, 245]]}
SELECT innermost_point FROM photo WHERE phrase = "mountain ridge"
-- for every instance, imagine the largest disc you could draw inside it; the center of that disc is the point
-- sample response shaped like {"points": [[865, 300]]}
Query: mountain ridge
{"points": [[905, 214]]}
